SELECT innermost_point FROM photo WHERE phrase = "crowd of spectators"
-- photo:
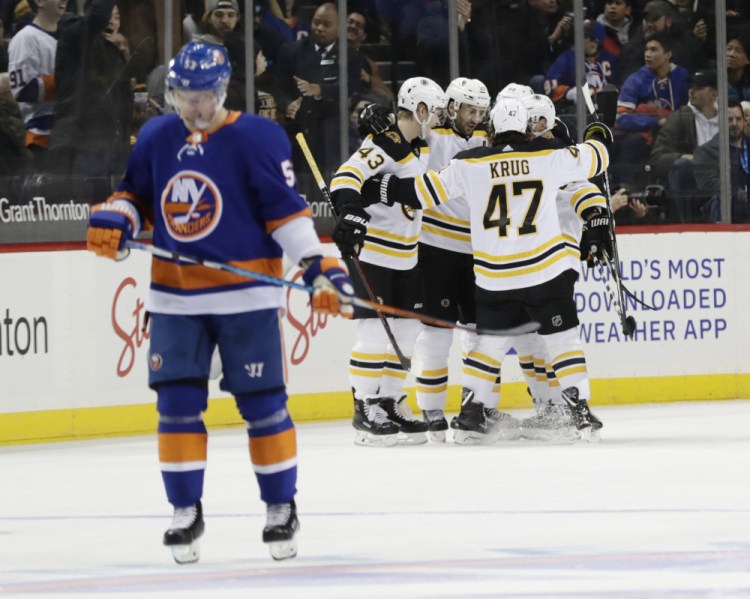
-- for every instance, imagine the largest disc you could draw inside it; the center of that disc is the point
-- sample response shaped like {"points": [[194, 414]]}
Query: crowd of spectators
{"points": [[83, 75]]}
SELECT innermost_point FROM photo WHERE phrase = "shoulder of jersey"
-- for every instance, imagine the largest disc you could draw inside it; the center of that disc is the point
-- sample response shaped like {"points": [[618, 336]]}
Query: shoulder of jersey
{"points": [[392, 144]]}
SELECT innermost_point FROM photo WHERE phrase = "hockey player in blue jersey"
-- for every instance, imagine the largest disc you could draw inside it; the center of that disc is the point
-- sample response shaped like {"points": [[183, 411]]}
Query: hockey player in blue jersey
{"points": [[218, 185]]}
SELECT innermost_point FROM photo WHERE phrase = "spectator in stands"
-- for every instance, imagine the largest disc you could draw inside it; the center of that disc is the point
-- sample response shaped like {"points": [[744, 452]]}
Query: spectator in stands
{"points": [[661, 16], [265, 100], [687, 128], [706, 164], [3, 48], [356, 33], [307, 84], [31, 66], [515, 42], [738, 67], [432, 45], [645, 101], [600, 65], [93, 115], [746, 111], [617, 21], [14, 157]]}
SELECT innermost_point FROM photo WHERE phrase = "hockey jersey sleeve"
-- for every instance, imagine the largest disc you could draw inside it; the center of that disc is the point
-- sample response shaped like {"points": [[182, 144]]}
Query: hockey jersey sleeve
{"points": [[28, 82], [369, 160], [632, 115], [583, 195]]}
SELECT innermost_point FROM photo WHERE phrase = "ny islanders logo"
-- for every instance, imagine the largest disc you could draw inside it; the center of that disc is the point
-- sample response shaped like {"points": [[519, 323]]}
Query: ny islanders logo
{"points": [[191, 206]]}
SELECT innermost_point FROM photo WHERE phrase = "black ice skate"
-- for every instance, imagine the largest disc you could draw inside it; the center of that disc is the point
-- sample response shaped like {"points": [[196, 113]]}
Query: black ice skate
{"points": [[552, 423], [183, 534], [587, 424], [471, 426], [437, 425], [281, 526], [411, 430], [371, 425]]}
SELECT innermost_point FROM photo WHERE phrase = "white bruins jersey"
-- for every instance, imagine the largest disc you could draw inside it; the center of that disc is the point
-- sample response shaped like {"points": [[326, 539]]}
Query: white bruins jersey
{"points": [[393, 231], [515, 231], [572, 200], [31, 60], [447, 226]]}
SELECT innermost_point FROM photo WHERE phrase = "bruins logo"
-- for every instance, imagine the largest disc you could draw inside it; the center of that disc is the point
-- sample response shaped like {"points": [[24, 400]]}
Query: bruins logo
{"points": [[409, 212], [393, 136]]}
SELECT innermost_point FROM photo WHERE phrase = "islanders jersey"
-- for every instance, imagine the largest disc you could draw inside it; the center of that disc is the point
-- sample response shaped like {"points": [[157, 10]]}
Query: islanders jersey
{"points": [[31, 68], [218, 196], [515, 230], [393, 231], [447, 226]]}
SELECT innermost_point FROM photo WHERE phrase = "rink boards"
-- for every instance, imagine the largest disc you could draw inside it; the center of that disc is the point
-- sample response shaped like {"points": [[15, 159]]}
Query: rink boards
{"points": [[73, 349]]}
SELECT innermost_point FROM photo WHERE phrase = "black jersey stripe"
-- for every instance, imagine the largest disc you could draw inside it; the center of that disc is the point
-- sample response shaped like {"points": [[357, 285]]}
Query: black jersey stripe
{"points": [[558, 247]]}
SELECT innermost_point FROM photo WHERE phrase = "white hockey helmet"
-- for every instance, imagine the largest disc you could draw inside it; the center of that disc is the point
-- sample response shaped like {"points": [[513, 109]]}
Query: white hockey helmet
{"points": [[515, 90], [418, 90], [468, 91], [540, 106], [509, 114]]}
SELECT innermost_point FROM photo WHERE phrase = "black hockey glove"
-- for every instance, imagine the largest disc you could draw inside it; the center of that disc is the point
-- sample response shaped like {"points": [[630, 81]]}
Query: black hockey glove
{"points": [[349, 232], [379, 190], [599, 132], [374, 119], [596, 237]]}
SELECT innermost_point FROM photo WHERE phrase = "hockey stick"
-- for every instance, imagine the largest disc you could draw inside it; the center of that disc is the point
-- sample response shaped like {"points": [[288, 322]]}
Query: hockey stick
{"points": [[529, 327], [403, 360], [627, 323]]}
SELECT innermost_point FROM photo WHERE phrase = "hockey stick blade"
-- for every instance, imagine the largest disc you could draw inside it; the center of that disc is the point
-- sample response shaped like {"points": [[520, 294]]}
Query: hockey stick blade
{"points": [[587, 97], [606, 101]]}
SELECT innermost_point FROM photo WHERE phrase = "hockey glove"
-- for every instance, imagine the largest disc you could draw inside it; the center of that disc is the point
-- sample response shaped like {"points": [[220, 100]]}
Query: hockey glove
{"points": [[379, 190], [596, 237], [374, 120], [599, 132], [349, 232], [108, 232], [332, 288]]}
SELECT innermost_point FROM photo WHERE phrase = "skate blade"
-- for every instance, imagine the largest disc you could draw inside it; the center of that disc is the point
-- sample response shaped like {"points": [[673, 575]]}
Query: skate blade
{"points": [[590, 435], [472, 438], [411, 438], [281, 550], [186, 554], [437, 436], [366, 439]]}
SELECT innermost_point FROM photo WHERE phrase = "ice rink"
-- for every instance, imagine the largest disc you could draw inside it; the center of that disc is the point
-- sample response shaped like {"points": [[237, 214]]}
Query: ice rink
{"points": [[659, 509]]}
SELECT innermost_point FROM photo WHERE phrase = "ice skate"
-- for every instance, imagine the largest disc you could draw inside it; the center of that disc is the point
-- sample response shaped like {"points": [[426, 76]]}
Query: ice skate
{"points": [[587, 424], [472, 426], [183, 534], [411, 430], [281, 526], [371, 425], [507, 428], [552, 423], [437, 425]]}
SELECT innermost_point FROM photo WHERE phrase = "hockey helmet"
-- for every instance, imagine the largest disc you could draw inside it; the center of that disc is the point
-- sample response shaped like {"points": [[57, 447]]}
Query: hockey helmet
{"points": [[421, 90], [540, 106], [468, 91], [515, 90], [199, 66], [509, 114], [418, 90]]}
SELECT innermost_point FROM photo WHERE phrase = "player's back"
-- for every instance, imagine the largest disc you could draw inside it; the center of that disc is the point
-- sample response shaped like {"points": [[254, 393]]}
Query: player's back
{"points": [[511, 191]]}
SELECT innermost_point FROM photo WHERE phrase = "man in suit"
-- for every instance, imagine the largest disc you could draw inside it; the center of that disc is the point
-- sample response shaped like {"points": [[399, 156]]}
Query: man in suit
{"points": [[307, 81]]}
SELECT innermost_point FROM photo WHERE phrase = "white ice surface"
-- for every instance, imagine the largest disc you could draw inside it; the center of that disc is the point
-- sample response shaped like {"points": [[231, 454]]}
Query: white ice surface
{"points": [[659, 509]]}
